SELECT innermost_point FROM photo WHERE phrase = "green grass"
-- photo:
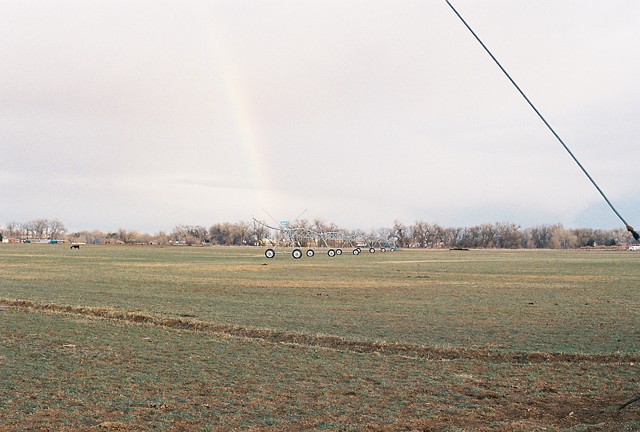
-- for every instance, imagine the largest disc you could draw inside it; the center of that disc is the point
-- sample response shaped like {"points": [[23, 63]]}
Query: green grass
{"points": [[61, 371], [79, 371], [550, 301]]}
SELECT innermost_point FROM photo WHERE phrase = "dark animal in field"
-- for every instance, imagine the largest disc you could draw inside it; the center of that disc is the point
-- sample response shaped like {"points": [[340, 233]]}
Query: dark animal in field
{"points": [[75, 247]]}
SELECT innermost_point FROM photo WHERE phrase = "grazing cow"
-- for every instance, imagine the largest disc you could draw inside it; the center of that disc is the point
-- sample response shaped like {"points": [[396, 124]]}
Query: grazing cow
{"points": [[75, 247]]}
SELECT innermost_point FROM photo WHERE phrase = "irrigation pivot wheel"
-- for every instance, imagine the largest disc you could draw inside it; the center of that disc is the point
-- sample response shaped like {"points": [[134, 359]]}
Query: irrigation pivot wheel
{"points": [[338, 251], [331, 253], [296, 253], [269, 253], [310, 253]]}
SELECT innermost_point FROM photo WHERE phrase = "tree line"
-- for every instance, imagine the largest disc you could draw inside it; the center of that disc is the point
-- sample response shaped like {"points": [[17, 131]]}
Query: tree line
{"points": [[505, 236], [35, 229], [420, 234]]}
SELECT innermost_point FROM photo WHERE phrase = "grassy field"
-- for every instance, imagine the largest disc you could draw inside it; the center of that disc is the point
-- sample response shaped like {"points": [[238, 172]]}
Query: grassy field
{"points": [[139, 338]]}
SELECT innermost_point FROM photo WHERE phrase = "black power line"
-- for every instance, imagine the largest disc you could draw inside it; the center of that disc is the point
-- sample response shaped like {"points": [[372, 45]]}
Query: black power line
{"points": [[629, 227]]}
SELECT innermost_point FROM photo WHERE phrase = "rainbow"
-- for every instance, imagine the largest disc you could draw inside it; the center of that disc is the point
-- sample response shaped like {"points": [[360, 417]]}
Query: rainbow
{"points": [[240, 112]]}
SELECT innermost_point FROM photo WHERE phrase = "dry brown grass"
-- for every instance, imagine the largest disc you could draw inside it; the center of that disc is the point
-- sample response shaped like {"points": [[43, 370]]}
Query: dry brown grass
{"points": [[318, 340]]}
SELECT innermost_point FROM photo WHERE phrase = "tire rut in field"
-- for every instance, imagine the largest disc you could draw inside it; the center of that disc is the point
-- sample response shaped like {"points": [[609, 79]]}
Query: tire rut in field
{"points": [[317, 340]]}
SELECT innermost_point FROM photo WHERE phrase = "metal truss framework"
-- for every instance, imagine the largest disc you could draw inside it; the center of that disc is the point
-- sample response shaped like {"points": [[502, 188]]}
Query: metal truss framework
{"points": [[333, 243]]}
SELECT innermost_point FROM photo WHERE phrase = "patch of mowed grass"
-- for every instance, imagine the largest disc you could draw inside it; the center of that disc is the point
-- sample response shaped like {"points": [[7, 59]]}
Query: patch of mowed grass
{"points": [[553, 301], [68, 372]]}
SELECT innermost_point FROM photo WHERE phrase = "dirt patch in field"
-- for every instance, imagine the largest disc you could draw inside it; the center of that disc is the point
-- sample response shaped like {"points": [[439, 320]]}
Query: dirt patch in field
{"points": [[323, 341]]}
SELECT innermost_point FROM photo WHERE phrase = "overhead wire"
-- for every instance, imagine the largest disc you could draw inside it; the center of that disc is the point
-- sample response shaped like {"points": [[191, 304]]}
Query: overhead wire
{"points": [[628, 227]]}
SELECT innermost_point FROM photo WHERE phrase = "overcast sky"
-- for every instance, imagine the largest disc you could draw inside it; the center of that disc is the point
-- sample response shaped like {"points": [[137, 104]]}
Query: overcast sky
{"points": [[146, 114]]}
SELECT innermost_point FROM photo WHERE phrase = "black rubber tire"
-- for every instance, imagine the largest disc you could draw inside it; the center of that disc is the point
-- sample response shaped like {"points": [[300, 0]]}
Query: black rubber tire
{"points": [[269, 253], [310, 253], [296, 254], [331, 253]]}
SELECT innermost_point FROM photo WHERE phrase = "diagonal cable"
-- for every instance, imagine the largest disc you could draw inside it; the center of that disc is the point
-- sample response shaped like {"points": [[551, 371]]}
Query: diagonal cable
{"points": [[629, 227]]}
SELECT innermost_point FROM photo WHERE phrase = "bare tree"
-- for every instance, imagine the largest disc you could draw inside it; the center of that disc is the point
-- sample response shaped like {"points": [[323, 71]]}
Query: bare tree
{"points": [[541, 236], [244, 230], [13, 230], [124, 236], [508, 236], [585, 237], [418, 231], [190, 235], [402, 234], [40, 228], [454, 236], [56, 229], [160, 238], [562, 238]]}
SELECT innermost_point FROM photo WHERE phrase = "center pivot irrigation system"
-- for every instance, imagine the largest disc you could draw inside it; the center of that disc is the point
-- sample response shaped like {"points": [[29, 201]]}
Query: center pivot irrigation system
{"points": [[293, 239]]}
